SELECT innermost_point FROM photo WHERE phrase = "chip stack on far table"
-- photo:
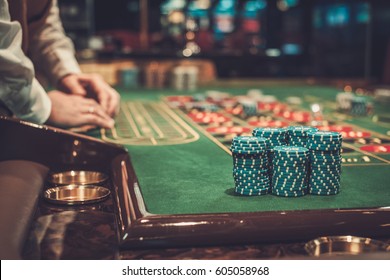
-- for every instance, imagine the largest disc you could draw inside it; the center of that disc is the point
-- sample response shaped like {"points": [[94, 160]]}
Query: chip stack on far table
{"points": [[344, 100], [205, 106], [255, 94], [290, 171], [275, 137], [155, 75], [128, 77], [250, 165], [199, 97], [184, 77], [325, 162], [249, 108], [297, 135], [359, 106]]}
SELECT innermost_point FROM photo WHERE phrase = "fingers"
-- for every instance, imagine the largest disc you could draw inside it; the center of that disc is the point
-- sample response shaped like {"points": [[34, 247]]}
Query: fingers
{"points": [[102, 95], [71, 84], [94, 114], [74, 111], [113, 102], [96, 119], [108, 97]]}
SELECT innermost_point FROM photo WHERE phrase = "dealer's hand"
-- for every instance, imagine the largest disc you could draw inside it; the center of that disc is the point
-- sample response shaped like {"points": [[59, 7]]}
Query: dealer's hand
{"points": [[71, 110], [108, 97]]}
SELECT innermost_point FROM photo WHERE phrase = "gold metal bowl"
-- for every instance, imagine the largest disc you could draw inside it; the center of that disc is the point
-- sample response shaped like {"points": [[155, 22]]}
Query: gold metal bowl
{"points": [[77, 177], [76, 194], [344, 245]]}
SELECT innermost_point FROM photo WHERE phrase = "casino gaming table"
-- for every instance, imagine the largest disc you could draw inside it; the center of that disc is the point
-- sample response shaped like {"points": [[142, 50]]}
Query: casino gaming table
{"points": [[170, 173]]}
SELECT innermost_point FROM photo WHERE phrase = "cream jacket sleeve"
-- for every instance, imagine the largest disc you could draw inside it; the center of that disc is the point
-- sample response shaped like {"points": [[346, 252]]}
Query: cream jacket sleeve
{"points": [[19, 90], [51, 51]]}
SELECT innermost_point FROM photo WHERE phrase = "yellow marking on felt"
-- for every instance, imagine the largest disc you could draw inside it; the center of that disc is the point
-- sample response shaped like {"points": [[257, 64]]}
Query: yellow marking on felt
{"points": [[165, 115], [144, 121], [131, 120], [207, 134], [115, 137], [172, 116], [152, 123], [153, 140], [364, 164], [139, 118], [366, 153]]}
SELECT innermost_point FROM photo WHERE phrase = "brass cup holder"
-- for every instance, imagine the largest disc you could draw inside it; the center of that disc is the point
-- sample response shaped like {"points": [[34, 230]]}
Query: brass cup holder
{"points": [[344, 246], [76, 194], [76, 187], [76, 177]]}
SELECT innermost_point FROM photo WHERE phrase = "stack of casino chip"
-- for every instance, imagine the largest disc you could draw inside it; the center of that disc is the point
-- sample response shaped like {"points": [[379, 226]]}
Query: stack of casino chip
{"points": [[128, 77], [249, 107], [199, 97], [297, 135], [344, 100], [359, 106], [250, 165], [205, 106], [275, 137], [255, 94], [290, 171], [184, 77], [325, 162]]}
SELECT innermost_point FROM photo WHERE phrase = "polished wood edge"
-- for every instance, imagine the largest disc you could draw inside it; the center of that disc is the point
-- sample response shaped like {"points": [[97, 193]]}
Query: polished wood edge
{"points": [[140, 229], [56, 148]]}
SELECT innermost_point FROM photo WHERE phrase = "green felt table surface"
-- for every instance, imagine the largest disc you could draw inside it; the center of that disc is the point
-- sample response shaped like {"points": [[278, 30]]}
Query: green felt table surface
{"points": [[197, 177]]}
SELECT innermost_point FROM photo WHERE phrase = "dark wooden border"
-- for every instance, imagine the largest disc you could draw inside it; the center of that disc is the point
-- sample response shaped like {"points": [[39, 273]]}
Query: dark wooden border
{"points": [[63, 150], [138, 228]]}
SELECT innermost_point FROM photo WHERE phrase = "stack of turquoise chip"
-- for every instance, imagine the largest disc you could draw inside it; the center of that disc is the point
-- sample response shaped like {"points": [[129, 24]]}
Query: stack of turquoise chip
{"points": [[290, 171], [325, 162], [250, 165], [297, 135], [275, 137]]}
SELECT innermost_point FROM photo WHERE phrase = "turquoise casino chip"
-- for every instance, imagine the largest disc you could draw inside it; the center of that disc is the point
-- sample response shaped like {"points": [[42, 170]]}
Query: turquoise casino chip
{"points": [[290, 150]]}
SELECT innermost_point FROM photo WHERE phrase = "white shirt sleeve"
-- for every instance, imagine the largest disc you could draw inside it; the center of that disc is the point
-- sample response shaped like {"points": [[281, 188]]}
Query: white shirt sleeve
{"points": [[50, 49], [19, 90]]}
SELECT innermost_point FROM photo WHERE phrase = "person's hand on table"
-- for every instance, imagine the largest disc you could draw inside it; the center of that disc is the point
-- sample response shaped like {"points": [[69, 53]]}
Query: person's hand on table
{"points": [[71, 110], [79, 84]]}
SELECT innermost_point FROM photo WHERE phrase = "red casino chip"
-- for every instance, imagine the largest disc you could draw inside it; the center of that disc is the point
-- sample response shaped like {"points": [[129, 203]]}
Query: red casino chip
{"points": [[234, 111], [228, 130], [274, 106], [228, 103], [297, 116], [384, 149], [208, 117], [268, 123], [178, 101], [179, 98], [355, 134], [336, 128], [279, 107]]}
